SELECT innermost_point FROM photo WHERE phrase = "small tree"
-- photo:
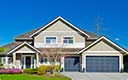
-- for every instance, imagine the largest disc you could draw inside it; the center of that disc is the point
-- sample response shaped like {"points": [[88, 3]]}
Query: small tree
{"points": [[54, 56], [2, 49]]}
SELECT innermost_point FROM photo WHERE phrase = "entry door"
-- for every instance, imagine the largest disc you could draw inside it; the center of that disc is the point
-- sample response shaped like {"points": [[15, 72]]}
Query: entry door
{"points": [[28, 61]]}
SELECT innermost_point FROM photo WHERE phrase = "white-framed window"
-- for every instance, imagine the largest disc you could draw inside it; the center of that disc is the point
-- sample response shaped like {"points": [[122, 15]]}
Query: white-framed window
{"points": [[3, 60], [68, 40], [43, 60], [50, 40]]}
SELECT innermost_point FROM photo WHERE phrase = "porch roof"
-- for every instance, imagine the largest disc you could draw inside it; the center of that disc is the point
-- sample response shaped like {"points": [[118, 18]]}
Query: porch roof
{"points": [[9, 47]]}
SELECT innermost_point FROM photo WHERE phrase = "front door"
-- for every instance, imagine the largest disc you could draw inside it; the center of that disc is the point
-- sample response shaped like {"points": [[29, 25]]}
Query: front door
{"points": [[28, 61]]}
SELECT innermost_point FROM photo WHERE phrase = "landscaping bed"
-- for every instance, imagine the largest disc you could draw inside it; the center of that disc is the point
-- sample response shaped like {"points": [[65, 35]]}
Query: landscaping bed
{"points": [[43, 72], [31, 77]]}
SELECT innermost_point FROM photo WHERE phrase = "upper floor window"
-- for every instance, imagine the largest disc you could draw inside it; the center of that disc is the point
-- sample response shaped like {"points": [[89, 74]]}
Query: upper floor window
{"points": [[68, 40], [50, 40]]}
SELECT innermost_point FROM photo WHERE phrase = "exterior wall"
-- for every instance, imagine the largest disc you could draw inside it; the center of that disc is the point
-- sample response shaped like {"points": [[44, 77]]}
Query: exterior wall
{"points": [[59, 26], [102, 49], [59, 30], [102, 46]]}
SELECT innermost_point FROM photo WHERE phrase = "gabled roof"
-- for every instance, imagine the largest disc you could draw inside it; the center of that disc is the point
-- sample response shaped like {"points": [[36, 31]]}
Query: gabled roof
{"points": [[106, 39], [28, 35], [55, 20], [17, 46]]}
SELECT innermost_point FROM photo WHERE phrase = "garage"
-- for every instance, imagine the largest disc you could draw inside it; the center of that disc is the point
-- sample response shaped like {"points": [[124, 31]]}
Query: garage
{"points": [[102, 63], [72, 64]]}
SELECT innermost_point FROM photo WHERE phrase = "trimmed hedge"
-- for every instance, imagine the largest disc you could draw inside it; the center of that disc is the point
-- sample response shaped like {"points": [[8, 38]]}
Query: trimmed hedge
{"points": [[30, 71]]}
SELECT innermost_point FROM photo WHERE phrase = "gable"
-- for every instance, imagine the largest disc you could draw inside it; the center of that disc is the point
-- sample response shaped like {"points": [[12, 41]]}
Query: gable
{"points": [[25, 48], [59, 26], [59, 22], [102, 46]]}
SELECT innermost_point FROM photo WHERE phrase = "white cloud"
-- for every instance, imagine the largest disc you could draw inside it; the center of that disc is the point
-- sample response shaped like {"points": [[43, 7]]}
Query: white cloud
{"points": [[117, 39]]}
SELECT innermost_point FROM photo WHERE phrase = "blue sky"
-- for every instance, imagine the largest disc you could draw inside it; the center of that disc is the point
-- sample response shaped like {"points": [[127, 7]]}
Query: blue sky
{"points": [[19, 16]]}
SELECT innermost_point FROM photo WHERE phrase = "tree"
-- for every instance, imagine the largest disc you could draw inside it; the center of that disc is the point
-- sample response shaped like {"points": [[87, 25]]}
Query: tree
{"points": [[54, 56], [2, 49]]}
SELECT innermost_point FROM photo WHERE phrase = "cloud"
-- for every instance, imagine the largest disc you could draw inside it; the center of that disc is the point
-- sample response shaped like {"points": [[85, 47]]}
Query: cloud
{"points": [[117, 39]]}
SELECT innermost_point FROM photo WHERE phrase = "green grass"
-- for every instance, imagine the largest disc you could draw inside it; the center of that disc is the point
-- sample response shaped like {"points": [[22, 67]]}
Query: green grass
{"points": [[29, 77]]}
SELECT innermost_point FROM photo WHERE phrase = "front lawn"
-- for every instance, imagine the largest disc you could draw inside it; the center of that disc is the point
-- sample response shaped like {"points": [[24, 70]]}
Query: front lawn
{"points": [[29, 77]]}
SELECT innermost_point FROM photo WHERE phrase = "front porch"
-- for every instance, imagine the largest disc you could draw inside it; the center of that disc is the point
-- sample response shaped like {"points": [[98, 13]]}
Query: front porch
{"points": [[25, 60]]}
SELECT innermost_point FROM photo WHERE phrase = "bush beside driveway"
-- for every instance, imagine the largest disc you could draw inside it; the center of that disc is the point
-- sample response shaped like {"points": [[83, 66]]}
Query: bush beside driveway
{"points": [[96, 76]]}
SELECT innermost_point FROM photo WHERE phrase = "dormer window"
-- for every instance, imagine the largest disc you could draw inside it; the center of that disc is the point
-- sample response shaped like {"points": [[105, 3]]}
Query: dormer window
{"points": [[50, 40], [68, 40]]}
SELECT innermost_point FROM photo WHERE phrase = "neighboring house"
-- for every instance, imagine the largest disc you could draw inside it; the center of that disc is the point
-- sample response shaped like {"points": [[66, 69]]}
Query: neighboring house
{"points": [[84, 51]]}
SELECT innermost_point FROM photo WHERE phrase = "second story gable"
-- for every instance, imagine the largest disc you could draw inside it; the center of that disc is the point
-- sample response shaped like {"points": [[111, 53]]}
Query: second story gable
{"points": [[58, 33]]}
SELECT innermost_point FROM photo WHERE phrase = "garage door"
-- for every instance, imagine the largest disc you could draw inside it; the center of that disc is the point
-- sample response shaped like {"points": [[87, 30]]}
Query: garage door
{"points": [[102, 64], [72, 64]]}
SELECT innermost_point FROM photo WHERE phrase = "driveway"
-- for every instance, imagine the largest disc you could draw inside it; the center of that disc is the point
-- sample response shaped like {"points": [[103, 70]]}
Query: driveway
{"points": [[96, 76]]}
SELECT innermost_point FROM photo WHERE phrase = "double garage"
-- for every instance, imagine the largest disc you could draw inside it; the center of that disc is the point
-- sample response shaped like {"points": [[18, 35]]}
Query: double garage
{"points": [[92, 64]]}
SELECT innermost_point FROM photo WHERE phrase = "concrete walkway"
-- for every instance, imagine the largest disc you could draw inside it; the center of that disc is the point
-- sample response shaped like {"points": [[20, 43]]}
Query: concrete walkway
{"points": [[96, 76]]}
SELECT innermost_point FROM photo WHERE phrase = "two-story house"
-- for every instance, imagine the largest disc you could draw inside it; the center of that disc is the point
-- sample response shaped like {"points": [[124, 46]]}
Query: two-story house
{"points": [[83, 50]]}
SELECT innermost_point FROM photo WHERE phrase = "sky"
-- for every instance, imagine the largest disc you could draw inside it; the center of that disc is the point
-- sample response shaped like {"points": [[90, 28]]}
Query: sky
{"points": [[20, 16]]}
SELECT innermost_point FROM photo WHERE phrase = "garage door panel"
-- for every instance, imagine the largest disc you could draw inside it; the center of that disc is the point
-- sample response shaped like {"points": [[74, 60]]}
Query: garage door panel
{"points": [[102, 64], [72, 63]]}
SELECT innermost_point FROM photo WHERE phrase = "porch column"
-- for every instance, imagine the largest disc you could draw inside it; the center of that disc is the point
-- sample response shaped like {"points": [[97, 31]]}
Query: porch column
{"points": [[37, 59], [6, 61], [14, 58]]}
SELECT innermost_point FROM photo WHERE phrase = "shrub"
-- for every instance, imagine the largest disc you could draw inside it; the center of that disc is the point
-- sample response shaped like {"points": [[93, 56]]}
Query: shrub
{"points": [[30, 71], [50, 69], [10, 71], [42, 69], [1, 64], [57, 68]]}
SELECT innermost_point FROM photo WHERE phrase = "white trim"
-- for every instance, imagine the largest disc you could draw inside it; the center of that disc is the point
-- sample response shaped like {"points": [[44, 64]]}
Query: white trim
{"points": [[50, 36], [55, 21], [25, 52], [106, 40], [22, 45], [76, 45]]}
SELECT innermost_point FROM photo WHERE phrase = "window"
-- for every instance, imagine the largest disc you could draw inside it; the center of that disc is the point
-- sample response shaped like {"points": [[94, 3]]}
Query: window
{"points": [[50, 40], [68, 40], [43, 60], [3, 60]]}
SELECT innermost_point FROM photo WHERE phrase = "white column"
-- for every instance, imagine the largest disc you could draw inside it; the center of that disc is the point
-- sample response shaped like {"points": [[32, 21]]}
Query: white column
{"points": [[6, 60], [37, 59], [14, 58], [62, 62]]}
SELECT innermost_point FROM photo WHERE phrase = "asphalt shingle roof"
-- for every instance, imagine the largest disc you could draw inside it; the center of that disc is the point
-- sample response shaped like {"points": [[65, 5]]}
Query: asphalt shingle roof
{"points": [[10, 46]]}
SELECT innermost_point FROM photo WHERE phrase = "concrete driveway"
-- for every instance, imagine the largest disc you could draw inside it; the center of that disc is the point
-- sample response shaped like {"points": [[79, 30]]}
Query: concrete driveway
{"points": [[96, 76]]}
